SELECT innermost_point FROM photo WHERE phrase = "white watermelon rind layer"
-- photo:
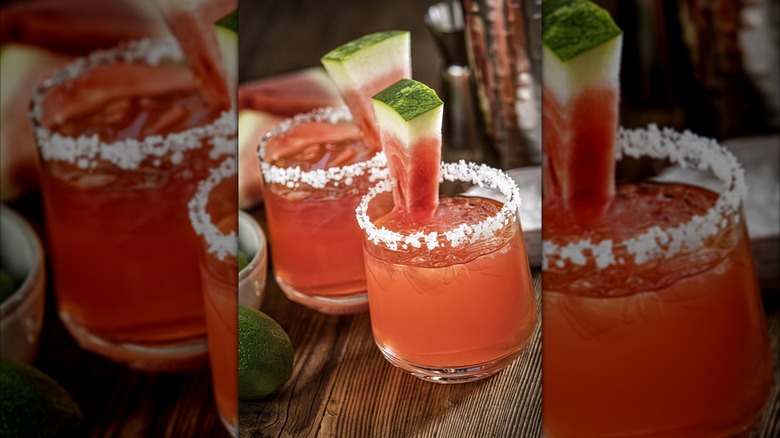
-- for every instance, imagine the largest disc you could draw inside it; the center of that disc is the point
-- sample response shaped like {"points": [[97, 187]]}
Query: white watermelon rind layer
{"points": [[598, 67], [370, 57], [395, 118]]}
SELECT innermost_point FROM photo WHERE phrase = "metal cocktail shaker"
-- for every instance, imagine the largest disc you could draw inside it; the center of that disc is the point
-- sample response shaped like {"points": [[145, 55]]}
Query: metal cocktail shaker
{"points": [[464, 138], [503, 43]]}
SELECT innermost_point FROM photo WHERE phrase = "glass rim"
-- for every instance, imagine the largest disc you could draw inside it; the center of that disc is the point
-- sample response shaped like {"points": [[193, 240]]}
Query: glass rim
{"points": [[86, 151], [478, 174], [218, 243], [294, 177], [689, 151]]}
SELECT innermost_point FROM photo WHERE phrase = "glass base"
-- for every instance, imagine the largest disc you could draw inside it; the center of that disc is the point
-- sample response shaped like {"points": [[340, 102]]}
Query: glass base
{"points": [[469, 373], [181, 356], [337, 305], [232, 428]]}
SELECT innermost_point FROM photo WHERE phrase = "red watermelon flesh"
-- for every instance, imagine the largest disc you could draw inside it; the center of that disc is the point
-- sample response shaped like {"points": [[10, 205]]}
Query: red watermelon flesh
{"points": [[581, 57]]}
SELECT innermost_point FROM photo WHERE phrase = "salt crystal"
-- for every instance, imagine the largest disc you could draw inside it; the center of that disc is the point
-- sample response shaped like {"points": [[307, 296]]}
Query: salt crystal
{"points": [[688, 151], [130, 153], [219, 243], [479, 174], [294, 177]]}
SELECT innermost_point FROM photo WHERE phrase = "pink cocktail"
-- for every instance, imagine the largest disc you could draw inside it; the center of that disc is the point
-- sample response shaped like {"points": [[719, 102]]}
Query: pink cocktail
{"points": [[451, 297], [316, 167], [124, 136], [214, 217], [653, 319]]}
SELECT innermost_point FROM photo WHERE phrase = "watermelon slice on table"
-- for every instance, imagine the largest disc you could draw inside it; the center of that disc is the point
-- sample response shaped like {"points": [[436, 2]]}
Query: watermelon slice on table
{"points": [[581, 58], [22, 67], [289, 94], [365, 66], [409, 117], [77, 27]]}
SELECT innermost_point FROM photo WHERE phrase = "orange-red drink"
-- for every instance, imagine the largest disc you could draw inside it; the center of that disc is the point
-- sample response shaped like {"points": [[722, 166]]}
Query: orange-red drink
{"points": [[315, 169], [653, 323], [451, 298], [124, 136], [214, 217]]}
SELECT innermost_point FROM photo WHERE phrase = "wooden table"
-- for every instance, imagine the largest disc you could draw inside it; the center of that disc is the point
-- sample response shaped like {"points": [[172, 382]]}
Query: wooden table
{"points": [[117, 401]]}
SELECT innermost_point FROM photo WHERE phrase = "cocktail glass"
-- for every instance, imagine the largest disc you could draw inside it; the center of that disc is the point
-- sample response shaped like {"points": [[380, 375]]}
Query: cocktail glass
{"points": [[214, 217], [653, 323], [124, 137], [451, 301], [316, 168]]}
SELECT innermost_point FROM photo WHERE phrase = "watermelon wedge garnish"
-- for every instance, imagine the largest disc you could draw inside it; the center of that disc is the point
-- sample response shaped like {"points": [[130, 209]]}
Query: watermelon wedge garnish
{"points": [[409, 116], [365, 66], [581, 58], [192, 22]]}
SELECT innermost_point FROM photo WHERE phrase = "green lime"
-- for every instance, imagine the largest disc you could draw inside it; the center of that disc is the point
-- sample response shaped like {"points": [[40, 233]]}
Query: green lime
{"points": [[243, 260], [265, 354], [7, 287], [229, 21], [34, 405]]}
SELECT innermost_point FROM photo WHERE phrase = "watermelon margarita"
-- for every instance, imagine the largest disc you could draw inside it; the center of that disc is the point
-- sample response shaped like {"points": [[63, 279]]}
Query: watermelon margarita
{"points": [[121, 156], [653, 321], [450, 296], [316, 167], [214, 216], [653, 318]]}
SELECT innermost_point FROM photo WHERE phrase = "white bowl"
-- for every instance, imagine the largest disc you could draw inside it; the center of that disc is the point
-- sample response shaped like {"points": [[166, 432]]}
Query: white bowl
{"points": [[251, 279], [21, 315]]}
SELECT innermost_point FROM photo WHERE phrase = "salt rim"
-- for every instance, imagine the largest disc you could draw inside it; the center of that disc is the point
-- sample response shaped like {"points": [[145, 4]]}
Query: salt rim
{"points": [[688, 151], [479, 174], [86, 151], [293, 177], [219, 243]]}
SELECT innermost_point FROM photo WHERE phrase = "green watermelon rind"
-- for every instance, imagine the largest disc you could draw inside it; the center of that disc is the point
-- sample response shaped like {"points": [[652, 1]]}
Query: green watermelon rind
{"points": [[349, 49], [362, 61], [409, 109], [598, 67], [573, 27]]}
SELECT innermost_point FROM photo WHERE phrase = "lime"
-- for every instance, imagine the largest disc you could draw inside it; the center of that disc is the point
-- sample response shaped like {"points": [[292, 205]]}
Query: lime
{"points": [[229, 21], [34, 405], [265, 354], [243, 260], [7, 287]]}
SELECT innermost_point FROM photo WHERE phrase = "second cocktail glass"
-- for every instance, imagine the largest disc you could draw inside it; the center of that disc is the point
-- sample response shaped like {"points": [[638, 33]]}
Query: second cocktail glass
{"points": [[451, 300], [316, 167], [214, 217], [653, 318], [124, 136]]}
